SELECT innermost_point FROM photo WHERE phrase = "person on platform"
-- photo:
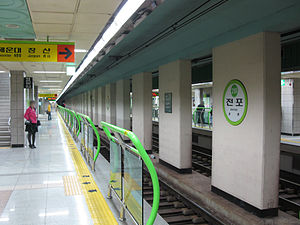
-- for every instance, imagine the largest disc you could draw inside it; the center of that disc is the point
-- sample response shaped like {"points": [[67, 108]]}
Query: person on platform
{"points": [[49, 112], [31, 124]]}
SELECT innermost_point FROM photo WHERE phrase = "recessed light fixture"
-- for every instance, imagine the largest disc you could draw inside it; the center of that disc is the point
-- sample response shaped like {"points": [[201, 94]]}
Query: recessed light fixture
{"points": [[50, 81], [12, 26], [50, 86], [49, 72], [80, 50]]}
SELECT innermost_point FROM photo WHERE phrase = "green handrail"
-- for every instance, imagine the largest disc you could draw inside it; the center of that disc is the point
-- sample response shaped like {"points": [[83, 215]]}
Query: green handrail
{"points": [[96, 132], [139, 150], [194, 113], [74, 115]]}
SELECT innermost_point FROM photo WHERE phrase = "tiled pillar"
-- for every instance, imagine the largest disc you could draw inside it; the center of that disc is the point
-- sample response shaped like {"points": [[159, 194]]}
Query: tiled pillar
{"points": [[95, 105], [175, 116], [110, 102], [246, 133], [101, 104], [123, 103], [142, 108], [36, 98], [17, 108]]}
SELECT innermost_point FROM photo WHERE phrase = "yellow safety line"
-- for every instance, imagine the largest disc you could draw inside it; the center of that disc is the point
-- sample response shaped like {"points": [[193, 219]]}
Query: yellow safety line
{"points": [[287, 140], [99, 210]]}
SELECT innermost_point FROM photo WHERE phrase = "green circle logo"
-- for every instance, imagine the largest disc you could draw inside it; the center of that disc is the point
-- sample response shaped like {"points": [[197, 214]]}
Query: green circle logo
{"points": [[235, 102], [234, 90]]}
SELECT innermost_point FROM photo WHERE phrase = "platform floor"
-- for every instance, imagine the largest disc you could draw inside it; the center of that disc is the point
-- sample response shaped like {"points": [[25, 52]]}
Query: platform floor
{"points": [[43, 185]]}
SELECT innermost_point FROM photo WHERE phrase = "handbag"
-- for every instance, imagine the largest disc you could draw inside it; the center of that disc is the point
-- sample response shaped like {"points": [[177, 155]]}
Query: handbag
{"points": [[38, 123], [27, 123]]}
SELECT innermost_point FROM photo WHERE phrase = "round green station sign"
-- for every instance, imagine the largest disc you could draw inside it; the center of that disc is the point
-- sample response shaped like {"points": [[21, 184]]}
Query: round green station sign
{"points": [[235, 102]]}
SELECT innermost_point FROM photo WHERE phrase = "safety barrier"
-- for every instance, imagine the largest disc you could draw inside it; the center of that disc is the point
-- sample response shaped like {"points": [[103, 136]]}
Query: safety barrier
{"points": [[126, 175], [197, 115], [87, 139], [126, 162]]}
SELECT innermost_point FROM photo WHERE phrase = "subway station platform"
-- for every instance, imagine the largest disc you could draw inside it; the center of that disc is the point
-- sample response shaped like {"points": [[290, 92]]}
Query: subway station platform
{"points": [[45, 185]]}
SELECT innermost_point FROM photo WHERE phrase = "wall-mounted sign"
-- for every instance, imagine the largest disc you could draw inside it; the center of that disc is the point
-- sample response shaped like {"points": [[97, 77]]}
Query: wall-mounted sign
{"points": [[235, 102], [28, 82], [282, 82], [168, 102], [47, 95], [37, 51], [51, 98]]}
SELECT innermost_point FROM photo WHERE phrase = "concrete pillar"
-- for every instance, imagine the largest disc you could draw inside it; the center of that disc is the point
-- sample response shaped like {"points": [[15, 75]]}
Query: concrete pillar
{"points": [[246, 154], [17, 108], [123, 104], [110, 102], [175, 116], [101, 105], [95, 105], [142, 108], [36, 98]]}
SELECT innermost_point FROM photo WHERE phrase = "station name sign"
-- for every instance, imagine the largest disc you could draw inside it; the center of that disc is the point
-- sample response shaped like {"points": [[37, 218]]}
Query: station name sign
{"points": [[235, 102], [36, 51]]}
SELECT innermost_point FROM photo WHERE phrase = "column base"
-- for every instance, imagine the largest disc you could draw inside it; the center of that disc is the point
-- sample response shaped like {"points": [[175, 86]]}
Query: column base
{"points": [[17, 145], [262, 213], [182, 171]]}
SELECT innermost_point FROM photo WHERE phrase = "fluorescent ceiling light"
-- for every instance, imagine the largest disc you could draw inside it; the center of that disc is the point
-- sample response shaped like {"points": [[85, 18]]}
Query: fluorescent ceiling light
{"points": [[54, 89], [49, 72], [50, 86], [80, 50], [4, 219], [289, 72], [128, 9], [2, 71], [71, 70], [50, 81]]}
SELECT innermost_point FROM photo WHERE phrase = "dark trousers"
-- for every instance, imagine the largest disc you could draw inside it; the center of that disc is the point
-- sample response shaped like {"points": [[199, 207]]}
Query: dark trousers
{"points": [[31, 136], [49, 116]]}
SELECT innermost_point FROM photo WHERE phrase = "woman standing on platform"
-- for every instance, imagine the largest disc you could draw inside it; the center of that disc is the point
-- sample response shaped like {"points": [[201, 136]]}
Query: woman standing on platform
{"points": [[31, 123]]}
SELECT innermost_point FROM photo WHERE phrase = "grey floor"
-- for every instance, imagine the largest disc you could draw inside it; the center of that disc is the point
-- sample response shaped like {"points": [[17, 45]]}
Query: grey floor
{"points": [[31, 183]]}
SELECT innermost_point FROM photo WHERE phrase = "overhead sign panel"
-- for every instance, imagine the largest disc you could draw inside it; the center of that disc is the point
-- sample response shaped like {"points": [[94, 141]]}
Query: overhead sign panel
{"points": [[47, 95], [36, 51]]}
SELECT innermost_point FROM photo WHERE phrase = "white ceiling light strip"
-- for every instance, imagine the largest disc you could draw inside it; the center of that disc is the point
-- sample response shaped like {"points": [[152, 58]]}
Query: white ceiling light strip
{"points": [[128, 9]]}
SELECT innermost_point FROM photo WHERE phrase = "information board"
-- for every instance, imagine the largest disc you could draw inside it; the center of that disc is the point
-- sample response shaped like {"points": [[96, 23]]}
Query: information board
{"points": [[36, 51], [168, 102], [28, 82]]}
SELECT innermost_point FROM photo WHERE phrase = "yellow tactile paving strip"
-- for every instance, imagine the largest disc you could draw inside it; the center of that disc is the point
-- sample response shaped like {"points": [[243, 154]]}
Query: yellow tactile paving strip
{"points": [[291, 141], [99, 210], [72, 186]]}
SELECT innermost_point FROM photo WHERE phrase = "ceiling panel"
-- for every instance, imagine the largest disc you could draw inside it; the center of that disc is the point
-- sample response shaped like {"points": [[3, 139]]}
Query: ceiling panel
{"points": [[45, 17], [98, 6], [53, 36], [48, 28], [92, 18], [12, 65], [88, 28], [52, 5]]}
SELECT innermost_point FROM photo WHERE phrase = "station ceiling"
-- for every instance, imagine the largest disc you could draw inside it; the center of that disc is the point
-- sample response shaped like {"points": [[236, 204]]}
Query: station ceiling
{"points": [[78, 21], [176, 30]]}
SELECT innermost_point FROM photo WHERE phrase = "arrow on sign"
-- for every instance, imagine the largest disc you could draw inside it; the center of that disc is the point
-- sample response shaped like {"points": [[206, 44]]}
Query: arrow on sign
{"points": [[68, 53]]}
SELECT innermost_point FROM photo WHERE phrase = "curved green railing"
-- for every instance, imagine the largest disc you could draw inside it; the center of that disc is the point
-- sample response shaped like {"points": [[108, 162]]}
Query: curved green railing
{"points": [[74, 115], [139, 150], [203, 108], [96, 132]]}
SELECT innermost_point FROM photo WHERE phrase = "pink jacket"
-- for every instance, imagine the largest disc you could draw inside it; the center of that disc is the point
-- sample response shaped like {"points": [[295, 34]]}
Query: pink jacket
{"points": [[30, 115]]}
